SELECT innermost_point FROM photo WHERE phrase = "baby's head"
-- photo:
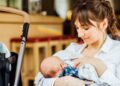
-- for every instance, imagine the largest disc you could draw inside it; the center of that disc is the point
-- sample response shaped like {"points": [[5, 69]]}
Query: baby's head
{"points": [[51, 67]]}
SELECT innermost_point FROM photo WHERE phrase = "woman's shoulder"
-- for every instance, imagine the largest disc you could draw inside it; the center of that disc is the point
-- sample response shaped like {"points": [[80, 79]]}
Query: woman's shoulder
{"points": [[115, 48], [115, 51], [111, 46], [116, 43], [111, 43]]}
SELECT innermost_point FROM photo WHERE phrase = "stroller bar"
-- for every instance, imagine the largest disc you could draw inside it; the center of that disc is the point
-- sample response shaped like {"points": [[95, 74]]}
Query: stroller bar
{"points": [[25, 30], [21, 52], [23, 39], [16, 11]]}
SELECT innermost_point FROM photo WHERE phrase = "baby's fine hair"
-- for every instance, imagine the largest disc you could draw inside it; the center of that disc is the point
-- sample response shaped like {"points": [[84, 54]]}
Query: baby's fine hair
{"points": [[96, 10]]}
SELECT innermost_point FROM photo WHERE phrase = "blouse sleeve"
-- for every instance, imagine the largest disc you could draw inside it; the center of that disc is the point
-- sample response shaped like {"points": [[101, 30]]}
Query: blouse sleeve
{"points": [[113, 79], [41, 81], [69, 53]]}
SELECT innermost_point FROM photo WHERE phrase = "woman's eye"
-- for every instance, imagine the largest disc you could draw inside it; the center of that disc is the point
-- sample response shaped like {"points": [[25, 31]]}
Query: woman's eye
{"points": [[77, 27], [86, 28]]}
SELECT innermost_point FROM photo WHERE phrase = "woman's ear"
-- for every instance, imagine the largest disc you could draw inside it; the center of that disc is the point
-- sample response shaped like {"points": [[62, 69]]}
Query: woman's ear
{"points": [[104, 24]]}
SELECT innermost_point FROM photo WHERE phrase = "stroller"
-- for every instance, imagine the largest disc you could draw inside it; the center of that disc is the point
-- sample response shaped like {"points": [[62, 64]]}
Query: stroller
{"points": [[8, 60]]}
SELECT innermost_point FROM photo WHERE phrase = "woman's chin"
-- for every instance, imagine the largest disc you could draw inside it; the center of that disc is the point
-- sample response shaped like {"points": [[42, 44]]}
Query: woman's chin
{"points": [[87, 42]]}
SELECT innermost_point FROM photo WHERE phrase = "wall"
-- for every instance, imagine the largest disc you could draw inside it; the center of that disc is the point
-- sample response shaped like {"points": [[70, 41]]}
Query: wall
{"points": [[40, 26]]}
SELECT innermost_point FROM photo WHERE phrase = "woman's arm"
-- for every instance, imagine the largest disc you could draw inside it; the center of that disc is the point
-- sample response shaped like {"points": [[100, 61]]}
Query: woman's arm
{"points": [[105, 74], [64, 81], [110, 77], [97, 63], [41, 81], [69, 81]]}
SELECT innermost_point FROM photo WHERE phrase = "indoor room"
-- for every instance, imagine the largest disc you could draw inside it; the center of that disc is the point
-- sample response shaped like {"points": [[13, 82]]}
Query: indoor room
{"points": [[32, 31]]}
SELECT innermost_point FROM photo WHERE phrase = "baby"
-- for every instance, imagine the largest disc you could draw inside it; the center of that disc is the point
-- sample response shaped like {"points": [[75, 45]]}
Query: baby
{"points": [[52, 67], [55, 67]]}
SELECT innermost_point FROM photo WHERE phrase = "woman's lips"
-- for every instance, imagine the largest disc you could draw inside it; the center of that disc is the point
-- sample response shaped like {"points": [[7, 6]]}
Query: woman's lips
{"points": [[85, 38]]}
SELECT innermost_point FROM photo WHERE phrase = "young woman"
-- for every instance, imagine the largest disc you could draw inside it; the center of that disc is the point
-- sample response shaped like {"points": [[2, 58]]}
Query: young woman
{"points": [[95, 23]]}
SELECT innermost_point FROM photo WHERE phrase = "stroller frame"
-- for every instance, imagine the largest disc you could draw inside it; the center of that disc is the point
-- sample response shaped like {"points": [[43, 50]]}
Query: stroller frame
{"points": [[23, 39]]}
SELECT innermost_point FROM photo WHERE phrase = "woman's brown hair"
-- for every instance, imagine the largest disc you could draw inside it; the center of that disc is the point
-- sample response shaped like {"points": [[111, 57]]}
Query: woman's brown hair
{"points": [[96, 10]]}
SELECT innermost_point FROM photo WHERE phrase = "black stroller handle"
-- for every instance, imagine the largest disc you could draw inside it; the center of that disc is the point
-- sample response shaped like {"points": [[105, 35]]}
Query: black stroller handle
{"points": [[23, 39], [25, 30]]}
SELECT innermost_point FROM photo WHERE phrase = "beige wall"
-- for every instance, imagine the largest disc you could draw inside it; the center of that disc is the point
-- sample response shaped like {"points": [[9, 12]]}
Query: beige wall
{"points": [[10, 26]]}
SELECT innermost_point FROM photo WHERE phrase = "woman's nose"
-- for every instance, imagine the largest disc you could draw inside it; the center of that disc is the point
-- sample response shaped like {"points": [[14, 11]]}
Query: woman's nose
{"points": [[80, 33]]}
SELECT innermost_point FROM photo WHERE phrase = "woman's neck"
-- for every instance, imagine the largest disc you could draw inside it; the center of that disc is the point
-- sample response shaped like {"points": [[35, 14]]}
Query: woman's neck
{"points": [[97, 45]]}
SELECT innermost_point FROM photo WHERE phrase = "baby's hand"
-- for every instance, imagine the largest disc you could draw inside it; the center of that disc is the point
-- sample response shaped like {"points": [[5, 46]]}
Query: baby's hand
{"points": [[77, 63], [80, 61]]}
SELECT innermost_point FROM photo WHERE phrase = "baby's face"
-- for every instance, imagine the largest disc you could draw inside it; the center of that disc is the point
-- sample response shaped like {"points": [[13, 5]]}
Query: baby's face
{"points": [[52, 67], [54, 73]]}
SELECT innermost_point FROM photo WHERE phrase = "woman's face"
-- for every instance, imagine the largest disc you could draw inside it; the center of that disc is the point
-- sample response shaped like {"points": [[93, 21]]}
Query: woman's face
{"points": [[88, 33]]}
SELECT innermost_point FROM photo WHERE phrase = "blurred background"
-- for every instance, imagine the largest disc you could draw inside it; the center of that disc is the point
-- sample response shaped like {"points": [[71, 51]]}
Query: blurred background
{"points": [[50, 30]]}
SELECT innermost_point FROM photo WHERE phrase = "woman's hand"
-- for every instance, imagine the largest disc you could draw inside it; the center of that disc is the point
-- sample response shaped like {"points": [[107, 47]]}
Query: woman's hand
{"points": [[69, 81], [97, 63]]}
